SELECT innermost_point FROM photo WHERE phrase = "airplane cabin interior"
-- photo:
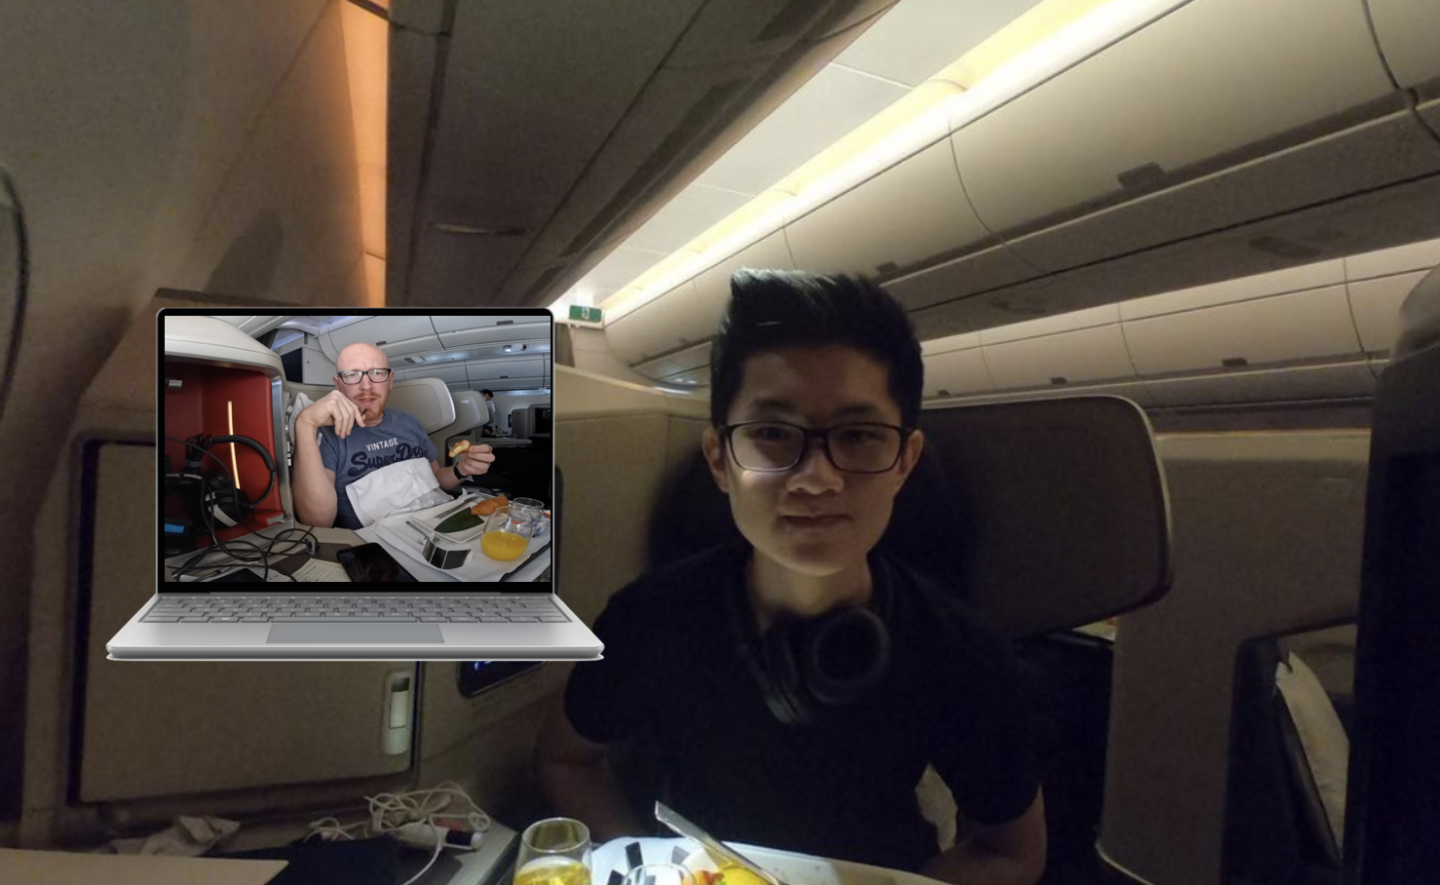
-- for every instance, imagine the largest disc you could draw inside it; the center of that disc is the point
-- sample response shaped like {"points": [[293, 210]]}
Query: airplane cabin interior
{"points": [[1172, 265]]}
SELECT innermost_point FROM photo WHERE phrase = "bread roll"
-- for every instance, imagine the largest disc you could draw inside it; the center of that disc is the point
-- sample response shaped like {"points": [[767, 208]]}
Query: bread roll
{"points": [[490, 505]]}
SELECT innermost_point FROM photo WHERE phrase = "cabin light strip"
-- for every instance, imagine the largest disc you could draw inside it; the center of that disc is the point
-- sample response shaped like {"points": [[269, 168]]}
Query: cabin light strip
{"points": [[234, 462], [1034, 47]]}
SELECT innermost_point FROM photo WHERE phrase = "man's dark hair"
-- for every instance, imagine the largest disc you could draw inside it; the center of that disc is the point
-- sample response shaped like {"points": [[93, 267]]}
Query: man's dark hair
{"points": [[487, 391], [771, 309]]}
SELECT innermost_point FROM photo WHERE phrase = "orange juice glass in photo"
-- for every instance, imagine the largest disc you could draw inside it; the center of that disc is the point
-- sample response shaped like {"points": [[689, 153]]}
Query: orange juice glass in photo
{"points": [[507, 534]]}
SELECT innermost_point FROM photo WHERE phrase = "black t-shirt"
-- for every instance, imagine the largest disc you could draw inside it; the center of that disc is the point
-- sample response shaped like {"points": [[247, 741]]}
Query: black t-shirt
{"points": [[674, 672]]}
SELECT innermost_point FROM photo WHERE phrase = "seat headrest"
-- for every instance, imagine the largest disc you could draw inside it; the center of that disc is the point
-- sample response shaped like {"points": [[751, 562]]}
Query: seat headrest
{"points": [[428, 399], [469, 409], [1044, 515]]}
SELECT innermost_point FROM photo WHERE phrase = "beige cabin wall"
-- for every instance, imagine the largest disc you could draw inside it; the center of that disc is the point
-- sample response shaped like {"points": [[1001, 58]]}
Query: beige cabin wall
{"points": [[591, 353], [1268, 532], [196, 146]]}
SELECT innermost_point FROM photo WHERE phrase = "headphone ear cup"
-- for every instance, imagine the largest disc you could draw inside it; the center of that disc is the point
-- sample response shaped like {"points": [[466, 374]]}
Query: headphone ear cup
{"points": [[785, 692], [846, 656]]}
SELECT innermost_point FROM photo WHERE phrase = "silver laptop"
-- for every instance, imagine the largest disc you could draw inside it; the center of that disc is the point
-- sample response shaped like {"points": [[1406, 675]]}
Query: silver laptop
{"points": [[226, 381]]}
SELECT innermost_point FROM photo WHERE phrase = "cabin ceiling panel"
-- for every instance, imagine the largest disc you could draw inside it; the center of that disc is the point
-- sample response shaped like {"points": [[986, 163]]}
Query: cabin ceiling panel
{"points": [[618, 269], [820, 112], [684, 218], [458, 270], [531, 92], [916, 38]]}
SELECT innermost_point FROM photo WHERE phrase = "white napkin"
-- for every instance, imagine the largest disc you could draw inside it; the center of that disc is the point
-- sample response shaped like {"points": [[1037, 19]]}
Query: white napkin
{"points": [[189, 836], [402, 487], [398, 535]]}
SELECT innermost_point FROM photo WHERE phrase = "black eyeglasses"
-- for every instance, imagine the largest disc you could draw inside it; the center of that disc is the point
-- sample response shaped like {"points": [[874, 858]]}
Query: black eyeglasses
{"points": [[777, 446], [352, 376]]}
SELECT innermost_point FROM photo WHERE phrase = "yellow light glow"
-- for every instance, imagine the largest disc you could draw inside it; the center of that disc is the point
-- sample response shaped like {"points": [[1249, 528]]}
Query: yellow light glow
{"points": [[860, 153], [1040, 22], [234, 462], [367, 62]]}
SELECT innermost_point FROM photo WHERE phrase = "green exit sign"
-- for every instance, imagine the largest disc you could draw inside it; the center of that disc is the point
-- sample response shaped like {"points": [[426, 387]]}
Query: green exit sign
{"points": [[585, 314]]}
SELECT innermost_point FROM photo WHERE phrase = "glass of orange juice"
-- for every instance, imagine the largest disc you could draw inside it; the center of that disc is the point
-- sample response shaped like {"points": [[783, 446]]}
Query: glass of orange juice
{"points": [[507, 534], [554, 852]]}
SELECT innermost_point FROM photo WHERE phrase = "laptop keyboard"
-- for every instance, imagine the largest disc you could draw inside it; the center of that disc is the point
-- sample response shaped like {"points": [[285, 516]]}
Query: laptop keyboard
{"points": [[355, 609]]}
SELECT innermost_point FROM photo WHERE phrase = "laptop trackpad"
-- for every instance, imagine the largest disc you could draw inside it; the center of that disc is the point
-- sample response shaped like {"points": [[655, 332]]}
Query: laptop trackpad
{"points": [[358, 634]]}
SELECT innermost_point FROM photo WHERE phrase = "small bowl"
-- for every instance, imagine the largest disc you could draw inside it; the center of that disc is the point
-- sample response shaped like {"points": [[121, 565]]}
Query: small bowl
{"points": [[445, 557]]}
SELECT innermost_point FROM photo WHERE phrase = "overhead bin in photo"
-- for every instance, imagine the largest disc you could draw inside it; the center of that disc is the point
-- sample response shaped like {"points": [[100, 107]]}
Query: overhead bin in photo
{"points": [[514, 374], [465, 331], [1145, 115], [395, 334]]}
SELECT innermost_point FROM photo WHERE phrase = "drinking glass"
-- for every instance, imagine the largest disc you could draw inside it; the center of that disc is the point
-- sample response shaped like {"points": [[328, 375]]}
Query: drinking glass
{"points": [[659, 874], [533, 509], [507, 534], [554, 852]]}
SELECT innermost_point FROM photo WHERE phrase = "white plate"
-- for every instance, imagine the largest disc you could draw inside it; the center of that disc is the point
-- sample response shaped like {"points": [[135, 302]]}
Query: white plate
{"points": [[790, 867], [428, 523]]}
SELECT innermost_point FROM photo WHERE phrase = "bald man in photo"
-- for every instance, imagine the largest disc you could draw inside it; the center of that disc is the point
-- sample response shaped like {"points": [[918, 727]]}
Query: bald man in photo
{"points": [[357, 434]]}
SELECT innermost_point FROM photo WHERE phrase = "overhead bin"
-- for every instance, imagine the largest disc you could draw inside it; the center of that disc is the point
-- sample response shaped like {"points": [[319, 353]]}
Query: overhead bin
{"points": [[395, 334], [692, 378], [991, 268], [450, 373], [654, 328], [712, 287], [906, 217], [1280, 282], [1294, 384], [511, 374], [691, 311], [1413, 256], [956, 370], [1160, 108], [1085, 353], [682, 361], [1407, 31], [1375, 304], [466, 331], [1264, 331]]}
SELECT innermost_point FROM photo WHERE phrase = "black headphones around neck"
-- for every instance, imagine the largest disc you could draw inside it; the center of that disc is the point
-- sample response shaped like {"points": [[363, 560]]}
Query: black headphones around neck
{"points": [[221, 496], [809, 669]]}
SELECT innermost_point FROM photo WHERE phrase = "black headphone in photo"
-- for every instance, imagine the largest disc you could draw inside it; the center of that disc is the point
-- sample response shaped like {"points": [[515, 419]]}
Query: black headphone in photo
{"points": [[218, 493], [809, 669]]}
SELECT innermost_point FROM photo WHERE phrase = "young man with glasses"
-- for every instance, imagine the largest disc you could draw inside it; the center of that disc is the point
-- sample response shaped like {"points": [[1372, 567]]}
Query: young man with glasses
{"points": [[357, 435], [793, 688]]}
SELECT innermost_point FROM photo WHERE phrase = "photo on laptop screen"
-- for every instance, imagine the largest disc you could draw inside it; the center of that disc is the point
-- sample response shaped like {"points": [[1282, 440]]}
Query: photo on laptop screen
{"points": [[339, 455]]}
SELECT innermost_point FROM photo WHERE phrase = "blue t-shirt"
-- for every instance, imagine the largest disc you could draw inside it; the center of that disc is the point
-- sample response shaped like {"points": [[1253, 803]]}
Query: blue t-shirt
{"points": [[398, 437]]}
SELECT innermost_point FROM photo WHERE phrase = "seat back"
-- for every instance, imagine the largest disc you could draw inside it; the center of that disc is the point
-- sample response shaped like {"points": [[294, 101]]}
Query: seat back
{"points": [[520, 422], [1045, 515], [428, 399], [469, 407]]}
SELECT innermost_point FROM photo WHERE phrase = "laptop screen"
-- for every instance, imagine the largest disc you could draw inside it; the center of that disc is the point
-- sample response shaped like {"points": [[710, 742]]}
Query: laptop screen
{"points": [[366, 437]]}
